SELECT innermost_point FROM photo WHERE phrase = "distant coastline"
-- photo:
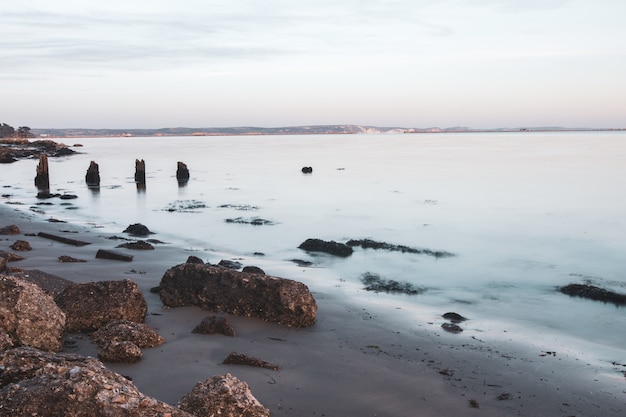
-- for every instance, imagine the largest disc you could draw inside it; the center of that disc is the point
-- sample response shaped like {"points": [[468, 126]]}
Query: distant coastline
{"points": [[290, 130]]}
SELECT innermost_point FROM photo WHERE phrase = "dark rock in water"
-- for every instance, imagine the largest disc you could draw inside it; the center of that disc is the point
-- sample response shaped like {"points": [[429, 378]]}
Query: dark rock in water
{"points": [[51, 284], [307, 170], [138, 245], [194, 260], [236, 358], [10, 230], [69, 259], [215, 288], [92, 178], [137, 229], [45, 195], [64, 151], [452, 328], [301, 262], [372, 244], [224, 396], [36, 383], [21, 246], [374, 282], [30, 317], [112, 255], [92, 305], [185, 206], [454, 317], [216, 324], [68, 197], [120, 352], [225, 263], [140, 334], [594, 293], [330, 247], [253, 270], [254, 221], [182, 172]]}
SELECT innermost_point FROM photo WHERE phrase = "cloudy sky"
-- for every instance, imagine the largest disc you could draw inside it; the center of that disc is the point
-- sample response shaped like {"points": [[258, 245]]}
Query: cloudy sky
{"points": [[216, 63]]}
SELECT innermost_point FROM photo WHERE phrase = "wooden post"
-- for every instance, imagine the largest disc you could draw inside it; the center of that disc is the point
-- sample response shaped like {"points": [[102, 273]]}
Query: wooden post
{"points": [[93, 175], [182, 173], [140, 171], [42, 179]]}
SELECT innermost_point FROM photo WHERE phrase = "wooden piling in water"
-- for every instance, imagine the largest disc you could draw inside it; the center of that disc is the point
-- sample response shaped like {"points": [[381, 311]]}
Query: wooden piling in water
{"points": [[42, 179]]}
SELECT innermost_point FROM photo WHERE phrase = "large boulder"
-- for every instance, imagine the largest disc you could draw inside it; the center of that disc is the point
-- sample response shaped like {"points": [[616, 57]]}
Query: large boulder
{"points": [[29, 316], [245, 294], [92, 305], [35, 383], [224, 396]]}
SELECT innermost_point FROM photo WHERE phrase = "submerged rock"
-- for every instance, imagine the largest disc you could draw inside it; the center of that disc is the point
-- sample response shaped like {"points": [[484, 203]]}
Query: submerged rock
{"points": [[224, 396], [137, 229], [140, 334], [330, 247], [216, 324], [372, 244], [21, 246], [252, 295], [594, 293], [374, 282], [236, 358], [10, 230], [138, 245], [454, 317]]}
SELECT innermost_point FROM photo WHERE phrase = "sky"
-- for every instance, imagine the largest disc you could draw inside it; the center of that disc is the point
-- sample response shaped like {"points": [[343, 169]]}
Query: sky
{"points": [[218, 63]]}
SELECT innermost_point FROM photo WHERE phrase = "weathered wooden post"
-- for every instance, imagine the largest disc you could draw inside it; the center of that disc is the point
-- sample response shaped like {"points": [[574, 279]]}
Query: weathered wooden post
{"points": [[92, 178], [42, 179], [140, 171], [182, 173]]}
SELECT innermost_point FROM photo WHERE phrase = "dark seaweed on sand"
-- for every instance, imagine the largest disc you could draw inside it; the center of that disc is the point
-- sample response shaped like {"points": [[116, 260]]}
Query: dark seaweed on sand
{"points": [[374, 282]]}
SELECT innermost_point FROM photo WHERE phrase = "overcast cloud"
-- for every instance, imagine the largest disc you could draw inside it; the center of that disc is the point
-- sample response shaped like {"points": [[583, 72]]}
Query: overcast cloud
{"points": [[480, 63]]}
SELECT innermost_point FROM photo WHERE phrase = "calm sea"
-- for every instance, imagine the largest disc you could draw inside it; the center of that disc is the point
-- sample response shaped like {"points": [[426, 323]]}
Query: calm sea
{"points": [[522, 212]]}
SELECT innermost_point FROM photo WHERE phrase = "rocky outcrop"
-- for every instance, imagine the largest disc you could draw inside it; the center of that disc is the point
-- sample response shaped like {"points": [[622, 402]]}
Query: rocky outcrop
{"points": [[372, 244], [138, 245], [120, 352], [252, 295], [92, 305], [224, 396], [215, 324], [140, 334], [35, 383], [29, 316], [594, 293], [137, 229], [21, 246], [330, 247], [10, 230]]}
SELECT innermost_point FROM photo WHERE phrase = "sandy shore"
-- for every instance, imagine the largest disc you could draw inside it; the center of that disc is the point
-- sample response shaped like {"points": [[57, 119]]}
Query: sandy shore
{"points": [[350, 363]]}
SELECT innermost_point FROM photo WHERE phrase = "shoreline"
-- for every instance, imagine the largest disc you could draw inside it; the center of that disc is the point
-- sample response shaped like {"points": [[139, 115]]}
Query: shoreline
{"points": [[349, 363]]}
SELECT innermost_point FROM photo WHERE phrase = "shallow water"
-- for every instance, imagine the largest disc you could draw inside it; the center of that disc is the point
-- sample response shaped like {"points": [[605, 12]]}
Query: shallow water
{"points": [[522, 212]]}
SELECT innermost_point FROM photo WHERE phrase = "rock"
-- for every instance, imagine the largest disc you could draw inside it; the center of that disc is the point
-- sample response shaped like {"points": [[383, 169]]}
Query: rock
{"points": [[140, 334], [252, 295], [36, 383], [452, 328], [10, 230], [3, 264], [112, 255], [11, 257], [225, 263], [594, 293], [373, 282], [253, 270], [120, 352], [69, 259], [194, 260], [235, 358], [68, 196], [307, 170], [454, 317], [224, 396], [52, 285], [330, 247], [92, 305], [215, 324], [92, 178], [138, 245], [21, 246], [5, 340], [138, 229], [182, 172], [29, 316], [372, 244]]}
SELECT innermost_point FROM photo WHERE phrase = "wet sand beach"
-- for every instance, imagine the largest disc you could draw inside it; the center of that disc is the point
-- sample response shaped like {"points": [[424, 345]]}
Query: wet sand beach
{"points": [[354, 361]]}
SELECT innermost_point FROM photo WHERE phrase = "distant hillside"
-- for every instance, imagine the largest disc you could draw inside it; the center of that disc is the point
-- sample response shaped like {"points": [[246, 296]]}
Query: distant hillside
{"points": [[290, 130]]}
